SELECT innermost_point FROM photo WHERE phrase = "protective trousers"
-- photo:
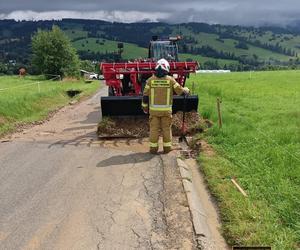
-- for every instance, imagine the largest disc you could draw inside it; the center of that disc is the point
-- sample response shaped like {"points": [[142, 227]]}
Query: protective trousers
{"points": [[160, 124]]}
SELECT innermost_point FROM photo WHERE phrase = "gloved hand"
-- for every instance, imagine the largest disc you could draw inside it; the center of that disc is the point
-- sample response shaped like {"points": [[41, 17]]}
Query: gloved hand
{"points": [[146, 110], [186, 91]]}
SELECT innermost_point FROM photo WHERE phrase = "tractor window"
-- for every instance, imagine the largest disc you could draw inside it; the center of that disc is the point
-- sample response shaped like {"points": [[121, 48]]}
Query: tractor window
{"points": [[164, 49]]}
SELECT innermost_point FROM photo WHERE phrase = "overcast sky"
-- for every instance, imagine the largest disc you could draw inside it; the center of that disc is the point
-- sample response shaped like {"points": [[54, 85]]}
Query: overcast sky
{"points": [[236, 12]]}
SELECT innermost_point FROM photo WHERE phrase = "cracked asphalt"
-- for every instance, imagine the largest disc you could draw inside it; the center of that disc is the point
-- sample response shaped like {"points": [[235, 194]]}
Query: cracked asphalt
{"points": [[61, 188]]}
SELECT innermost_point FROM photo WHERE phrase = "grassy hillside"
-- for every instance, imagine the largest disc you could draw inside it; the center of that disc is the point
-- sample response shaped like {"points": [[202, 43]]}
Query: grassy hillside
{"points": [[286, 40], [131, 51], [200, 39], [260, 48], [32, 98], [248, 47], [259, 144], [203, 59], [228, 45]]}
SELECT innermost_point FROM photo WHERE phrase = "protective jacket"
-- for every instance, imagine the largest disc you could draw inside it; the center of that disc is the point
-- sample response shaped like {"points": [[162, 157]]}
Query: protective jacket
{"points": [[158, 95]]}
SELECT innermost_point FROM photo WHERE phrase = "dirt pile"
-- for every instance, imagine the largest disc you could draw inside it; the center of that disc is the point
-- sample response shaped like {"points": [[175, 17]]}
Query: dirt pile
{"points": [[133, 127], [138, 127]]}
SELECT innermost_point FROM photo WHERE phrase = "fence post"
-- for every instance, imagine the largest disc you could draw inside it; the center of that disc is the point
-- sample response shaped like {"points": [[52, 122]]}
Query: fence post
{"points": [[220, 122]]}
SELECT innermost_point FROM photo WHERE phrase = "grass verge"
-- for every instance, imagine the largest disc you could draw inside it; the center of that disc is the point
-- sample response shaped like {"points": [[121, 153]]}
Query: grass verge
{"points": [[259, 144], [32, 98]]}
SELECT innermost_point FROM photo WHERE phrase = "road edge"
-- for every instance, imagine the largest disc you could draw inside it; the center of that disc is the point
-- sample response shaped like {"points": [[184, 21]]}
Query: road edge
{"points": [[204, 213], [197, 211]]}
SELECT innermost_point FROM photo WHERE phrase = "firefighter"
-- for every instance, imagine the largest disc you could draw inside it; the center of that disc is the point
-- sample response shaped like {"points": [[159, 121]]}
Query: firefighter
{"points": [[157, 101]]}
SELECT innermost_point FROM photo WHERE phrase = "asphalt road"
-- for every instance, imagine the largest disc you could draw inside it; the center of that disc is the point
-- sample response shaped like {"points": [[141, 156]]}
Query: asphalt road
{"points": [[61, 188]]}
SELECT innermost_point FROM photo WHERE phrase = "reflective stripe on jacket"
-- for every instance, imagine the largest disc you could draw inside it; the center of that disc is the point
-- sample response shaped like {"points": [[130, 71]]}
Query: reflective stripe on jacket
{"points": [[159, 93]]}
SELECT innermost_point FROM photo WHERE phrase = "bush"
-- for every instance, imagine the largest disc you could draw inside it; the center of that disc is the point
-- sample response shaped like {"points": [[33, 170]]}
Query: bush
{"points": [[87, 65]]}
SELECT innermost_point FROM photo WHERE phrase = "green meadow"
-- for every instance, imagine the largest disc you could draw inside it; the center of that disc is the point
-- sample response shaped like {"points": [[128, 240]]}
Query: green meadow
{"points": [[133, 51], [32, 98], [259, 145]]}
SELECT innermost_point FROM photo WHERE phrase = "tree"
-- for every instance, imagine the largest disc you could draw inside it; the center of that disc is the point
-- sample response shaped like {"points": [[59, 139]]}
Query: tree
{"points": [[242, 45], [3, 68], [54, 54], [87, 65]]}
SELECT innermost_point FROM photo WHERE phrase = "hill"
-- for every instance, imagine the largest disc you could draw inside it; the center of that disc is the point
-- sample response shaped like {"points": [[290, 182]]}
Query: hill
{"points": [[214, 46]]}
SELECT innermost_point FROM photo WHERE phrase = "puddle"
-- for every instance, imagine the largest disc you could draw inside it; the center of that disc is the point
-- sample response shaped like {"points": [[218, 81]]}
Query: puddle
{"points": [[73, 92]]}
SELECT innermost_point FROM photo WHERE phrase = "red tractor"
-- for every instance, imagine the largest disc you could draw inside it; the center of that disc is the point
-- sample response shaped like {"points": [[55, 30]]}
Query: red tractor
{"points": [[126, 80]]}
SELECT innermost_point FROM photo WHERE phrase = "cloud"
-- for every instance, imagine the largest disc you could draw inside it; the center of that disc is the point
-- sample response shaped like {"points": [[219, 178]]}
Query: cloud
{"points": [[236, 17], [112, 16], [235, 12]]}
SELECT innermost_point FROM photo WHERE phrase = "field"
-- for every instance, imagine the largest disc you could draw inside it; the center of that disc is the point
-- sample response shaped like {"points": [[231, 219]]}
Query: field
{"points": [[202, 38], [132, 51], [228, 45], [203, 59], [290, 41], [31, 99], [265, 47], [259, 145]]}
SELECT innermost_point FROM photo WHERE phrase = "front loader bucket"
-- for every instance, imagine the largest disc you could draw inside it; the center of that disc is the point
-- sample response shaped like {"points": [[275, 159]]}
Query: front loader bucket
{"points": [[190, 103], [131, 105], [121, 106]]}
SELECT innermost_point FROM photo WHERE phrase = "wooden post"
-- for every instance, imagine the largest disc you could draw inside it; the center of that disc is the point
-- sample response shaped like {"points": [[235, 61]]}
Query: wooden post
{"points": [[219, 113], [238, 187]]}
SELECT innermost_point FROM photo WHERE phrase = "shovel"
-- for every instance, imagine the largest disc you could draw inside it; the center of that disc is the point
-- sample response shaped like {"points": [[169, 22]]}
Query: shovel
{"points": [[183, 128]]}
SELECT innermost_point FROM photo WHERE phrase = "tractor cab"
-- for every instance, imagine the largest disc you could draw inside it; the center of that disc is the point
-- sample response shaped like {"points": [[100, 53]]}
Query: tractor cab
{"points": [[167, 49]]}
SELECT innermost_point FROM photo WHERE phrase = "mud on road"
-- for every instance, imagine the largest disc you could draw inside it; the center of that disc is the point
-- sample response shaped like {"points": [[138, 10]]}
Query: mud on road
{"points": [[62, 188], [138, 127]]}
